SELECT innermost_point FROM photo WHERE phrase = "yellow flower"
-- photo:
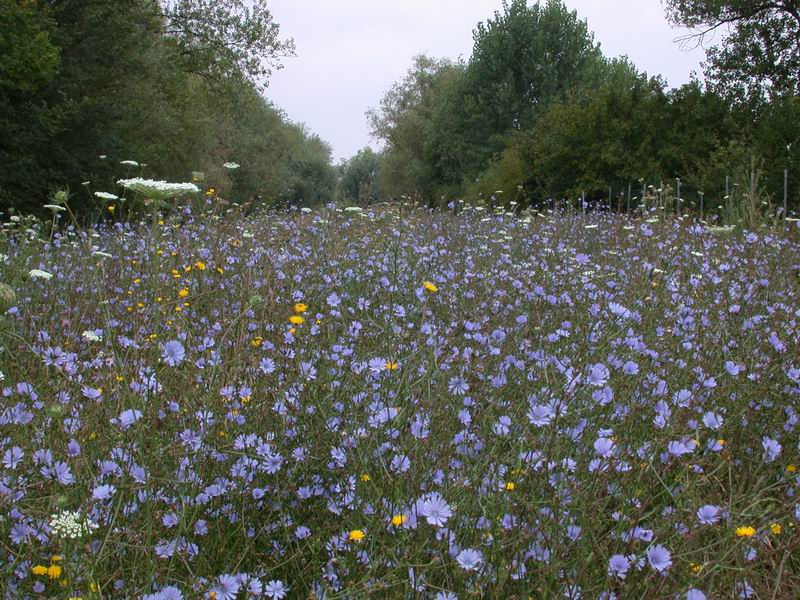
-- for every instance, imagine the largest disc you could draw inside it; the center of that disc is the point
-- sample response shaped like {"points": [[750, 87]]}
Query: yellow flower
{"points": [[292, 330], [510, 486], [365, 477], [745, 531], [296, 320], [111, 208], [183, 293], [430, 286], [776, 528], [300, 307], [200, 265], [39, 570], [256, 341], [399, 520], [356, 535], [391, 365], [56, 558], [791, 469], [696, 568], [54, 571]]}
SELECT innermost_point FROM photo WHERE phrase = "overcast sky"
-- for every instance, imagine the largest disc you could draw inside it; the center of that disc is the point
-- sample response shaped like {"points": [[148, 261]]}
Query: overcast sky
{"points": [[349, 52]]}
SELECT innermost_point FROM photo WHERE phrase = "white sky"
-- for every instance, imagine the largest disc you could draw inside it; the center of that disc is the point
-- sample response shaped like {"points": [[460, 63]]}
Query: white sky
{"points": [[349, 52]]}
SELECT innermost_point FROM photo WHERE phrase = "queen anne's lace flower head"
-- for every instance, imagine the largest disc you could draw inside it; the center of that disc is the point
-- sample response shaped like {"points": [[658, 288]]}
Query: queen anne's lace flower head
{"points": [[158, 189], [71, 525]]}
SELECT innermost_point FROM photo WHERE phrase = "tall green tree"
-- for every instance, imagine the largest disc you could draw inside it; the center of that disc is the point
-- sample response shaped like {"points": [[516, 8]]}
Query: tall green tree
{"points": [[523, 58], [596, 137], [403, 122], [173, 84], [758, 54], [225, 38], [359, 177]]}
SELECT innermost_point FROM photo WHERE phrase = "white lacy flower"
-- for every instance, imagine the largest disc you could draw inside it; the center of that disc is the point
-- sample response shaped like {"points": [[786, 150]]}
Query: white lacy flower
{"points": [[55, 208], [90, 336], [106, 196], [38, 274], [102, 254], [353, 209], [158, 189], [71, 525], [231, 165], [130, 163]]}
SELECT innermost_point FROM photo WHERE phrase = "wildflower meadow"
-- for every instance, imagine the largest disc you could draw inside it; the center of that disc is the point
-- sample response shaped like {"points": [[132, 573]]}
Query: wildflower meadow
{"points": [[393, 402]]}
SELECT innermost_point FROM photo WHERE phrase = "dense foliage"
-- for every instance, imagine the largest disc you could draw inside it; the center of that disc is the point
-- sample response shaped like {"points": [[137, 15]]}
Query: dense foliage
{"points": [[538, 113], [172, 85], [399, 403]]}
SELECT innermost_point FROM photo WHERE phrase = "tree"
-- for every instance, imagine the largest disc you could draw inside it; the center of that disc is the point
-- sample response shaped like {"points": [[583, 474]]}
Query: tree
{"points": [[599, 137], [225, 38], [759, 53], [163, 84], [28, 58], [404, 121], [359, 177], [523, 59]]}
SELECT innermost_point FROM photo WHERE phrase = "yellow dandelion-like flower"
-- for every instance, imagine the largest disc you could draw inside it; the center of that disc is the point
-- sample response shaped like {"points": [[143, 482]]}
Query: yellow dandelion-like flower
{"points": [[510, 486], [391, 365], [39, 570], [56, 558], [745, 531], [296, 320], [399, 520], [356, 535], [257, 341], [791, 469], [300, 307], [366, 477], [183, 293], [430, 286], [776, 528], [200, 265], [54, 571], [696, 568]]}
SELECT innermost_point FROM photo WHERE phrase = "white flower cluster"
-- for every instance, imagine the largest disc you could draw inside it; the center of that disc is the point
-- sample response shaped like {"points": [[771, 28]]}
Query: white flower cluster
{"points": [[90, 336], [158, 189], [38, 274], [231, 165], [106, 196], [55, 207], [71, 525]]}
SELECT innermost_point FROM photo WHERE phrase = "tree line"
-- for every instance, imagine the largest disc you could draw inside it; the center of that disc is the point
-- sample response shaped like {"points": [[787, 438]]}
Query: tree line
{"points": [[538, 113], [175, 85]]}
